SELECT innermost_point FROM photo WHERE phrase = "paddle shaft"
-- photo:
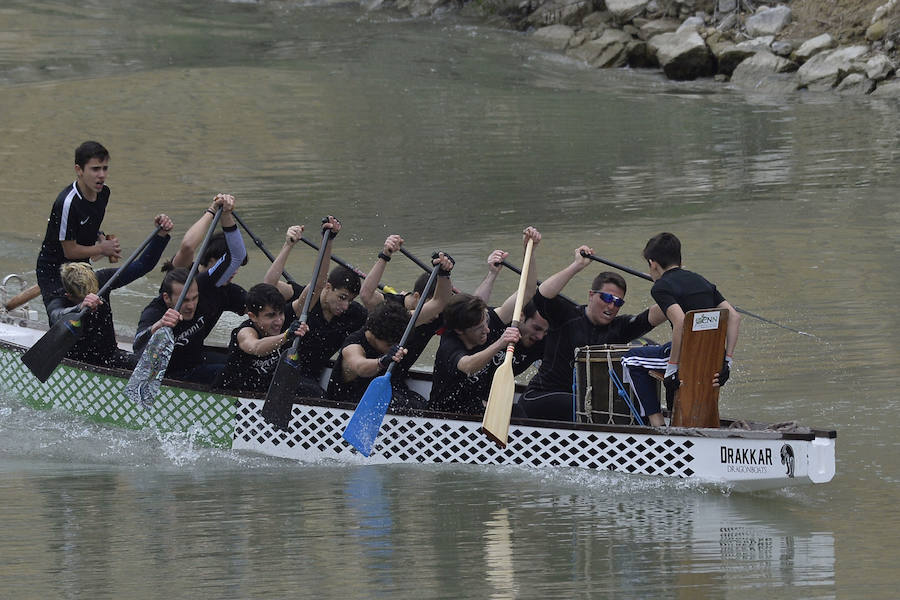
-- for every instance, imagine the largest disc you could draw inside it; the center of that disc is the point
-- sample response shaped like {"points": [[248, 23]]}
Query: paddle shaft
{"points": [[196, 264], [648, 278], [520, 294], [343, 263], [518, 271], [415, 315], [311, 289], [261, 246], [421, 265]]}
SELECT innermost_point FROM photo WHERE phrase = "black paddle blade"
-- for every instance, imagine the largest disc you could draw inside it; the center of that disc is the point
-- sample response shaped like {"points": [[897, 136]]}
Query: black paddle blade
{"points": [[46, 353], [280, 398]]}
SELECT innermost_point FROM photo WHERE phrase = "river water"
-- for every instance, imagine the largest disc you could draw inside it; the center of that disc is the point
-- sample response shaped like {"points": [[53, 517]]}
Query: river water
{"points": [[456, 136]]}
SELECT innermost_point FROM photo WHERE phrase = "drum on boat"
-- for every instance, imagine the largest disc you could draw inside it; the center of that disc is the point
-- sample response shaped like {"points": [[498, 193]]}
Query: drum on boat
{"points": [[597, 397]]}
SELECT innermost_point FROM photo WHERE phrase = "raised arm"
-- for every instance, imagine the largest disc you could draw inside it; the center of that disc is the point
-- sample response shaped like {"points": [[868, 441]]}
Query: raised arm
{"points": [[273, 275], [195, 233], [235, 250], [334, 226], [553, 285], [494, 263], [369, 294], [443, 290]]}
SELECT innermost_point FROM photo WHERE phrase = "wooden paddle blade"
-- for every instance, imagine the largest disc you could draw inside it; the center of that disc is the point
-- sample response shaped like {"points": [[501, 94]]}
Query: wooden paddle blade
{"points": [[499, 407], [366, 421], [145, 380], [45, 355], [280, 397]]}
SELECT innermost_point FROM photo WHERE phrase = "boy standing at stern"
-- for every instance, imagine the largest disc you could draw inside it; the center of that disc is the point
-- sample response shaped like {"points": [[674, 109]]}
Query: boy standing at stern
{"points": [[676, 291]]}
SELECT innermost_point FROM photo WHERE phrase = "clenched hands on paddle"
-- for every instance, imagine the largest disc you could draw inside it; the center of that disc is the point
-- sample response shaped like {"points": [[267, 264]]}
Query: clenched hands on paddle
{"points": [[280, 396], [45, 355], [366, 421], [145, 380], [495, 423]]}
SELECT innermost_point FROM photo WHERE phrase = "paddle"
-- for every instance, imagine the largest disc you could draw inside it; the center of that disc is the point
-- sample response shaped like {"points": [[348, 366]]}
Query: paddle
{"points": [[343, 263], [518, 271], [45, 355], [648, 278], [280, 397], [261, 246], [22, 297], [495, 423], [422, 265], [365, 423], [143, 385]]}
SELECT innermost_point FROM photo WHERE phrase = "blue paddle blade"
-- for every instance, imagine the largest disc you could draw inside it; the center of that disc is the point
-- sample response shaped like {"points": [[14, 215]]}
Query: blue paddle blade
{"points": [[365, 423]]}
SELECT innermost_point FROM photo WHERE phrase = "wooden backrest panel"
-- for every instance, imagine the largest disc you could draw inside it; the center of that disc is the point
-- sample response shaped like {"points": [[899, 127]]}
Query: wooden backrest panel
{"points": [[702, 353]]}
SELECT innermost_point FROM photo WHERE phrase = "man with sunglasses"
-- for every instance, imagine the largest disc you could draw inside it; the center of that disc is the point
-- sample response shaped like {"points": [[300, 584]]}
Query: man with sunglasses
{"points": [[676, 292], [549, 394]]}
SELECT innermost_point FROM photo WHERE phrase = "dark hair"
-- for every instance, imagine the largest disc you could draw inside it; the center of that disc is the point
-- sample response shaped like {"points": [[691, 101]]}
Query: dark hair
{"points": [[609, 277], [216, 249], [262, 295], [665, 249], [388, 321], [173, 276], [464, 311], [344, 278], [88, 150], [420, 284], [529, 310]]}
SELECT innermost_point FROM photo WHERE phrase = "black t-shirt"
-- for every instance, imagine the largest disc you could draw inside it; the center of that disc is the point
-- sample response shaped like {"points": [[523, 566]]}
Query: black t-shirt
{"points": [[685, 288], [190, 335], [570, 328], [353, 390], [454, 391], [72, 218], [324, 337], [244, 371]]}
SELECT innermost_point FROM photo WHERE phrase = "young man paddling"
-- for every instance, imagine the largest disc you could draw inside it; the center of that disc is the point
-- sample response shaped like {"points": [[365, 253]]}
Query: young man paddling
{"points": [[676, 292], [211, 293], [474, 345], [255, 344], [97, 344], [73, 229], [332, 316], [427, 325], [549, 393]]}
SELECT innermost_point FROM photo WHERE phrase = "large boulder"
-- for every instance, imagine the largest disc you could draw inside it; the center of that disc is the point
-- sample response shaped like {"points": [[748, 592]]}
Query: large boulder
{"points": [[682, 55], [656, 27], [625, 10], [554, 36], [757, 70], [768, 21], [879, 67], [855, 84], [728, 56], [824, 70], [608, 50], [813, 46]]}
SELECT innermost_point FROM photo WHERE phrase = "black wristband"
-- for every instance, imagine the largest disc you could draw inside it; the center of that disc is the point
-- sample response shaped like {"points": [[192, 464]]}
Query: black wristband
{"points": [[211, 211], [443, 273], [384, 257], [384, 361]]}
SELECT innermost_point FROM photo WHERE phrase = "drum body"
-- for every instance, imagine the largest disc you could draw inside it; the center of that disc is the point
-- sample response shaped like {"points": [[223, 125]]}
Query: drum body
{"points": [[597, 395]]}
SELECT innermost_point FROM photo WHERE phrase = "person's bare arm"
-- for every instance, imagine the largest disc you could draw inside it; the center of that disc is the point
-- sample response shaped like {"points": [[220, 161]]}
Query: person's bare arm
{"points": [[553, 285]]}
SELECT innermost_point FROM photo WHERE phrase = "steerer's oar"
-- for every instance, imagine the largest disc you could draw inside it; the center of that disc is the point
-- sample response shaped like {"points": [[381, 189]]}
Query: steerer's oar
{"points": [[145, 380], [261, 246], [45, 355], [280, 397], [648, 278], [22, 297], [503, 388], [366, 421]]}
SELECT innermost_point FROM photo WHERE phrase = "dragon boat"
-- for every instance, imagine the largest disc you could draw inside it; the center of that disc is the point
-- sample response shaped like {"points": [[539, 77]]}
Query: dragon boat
{"points": [[741, 455]]}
